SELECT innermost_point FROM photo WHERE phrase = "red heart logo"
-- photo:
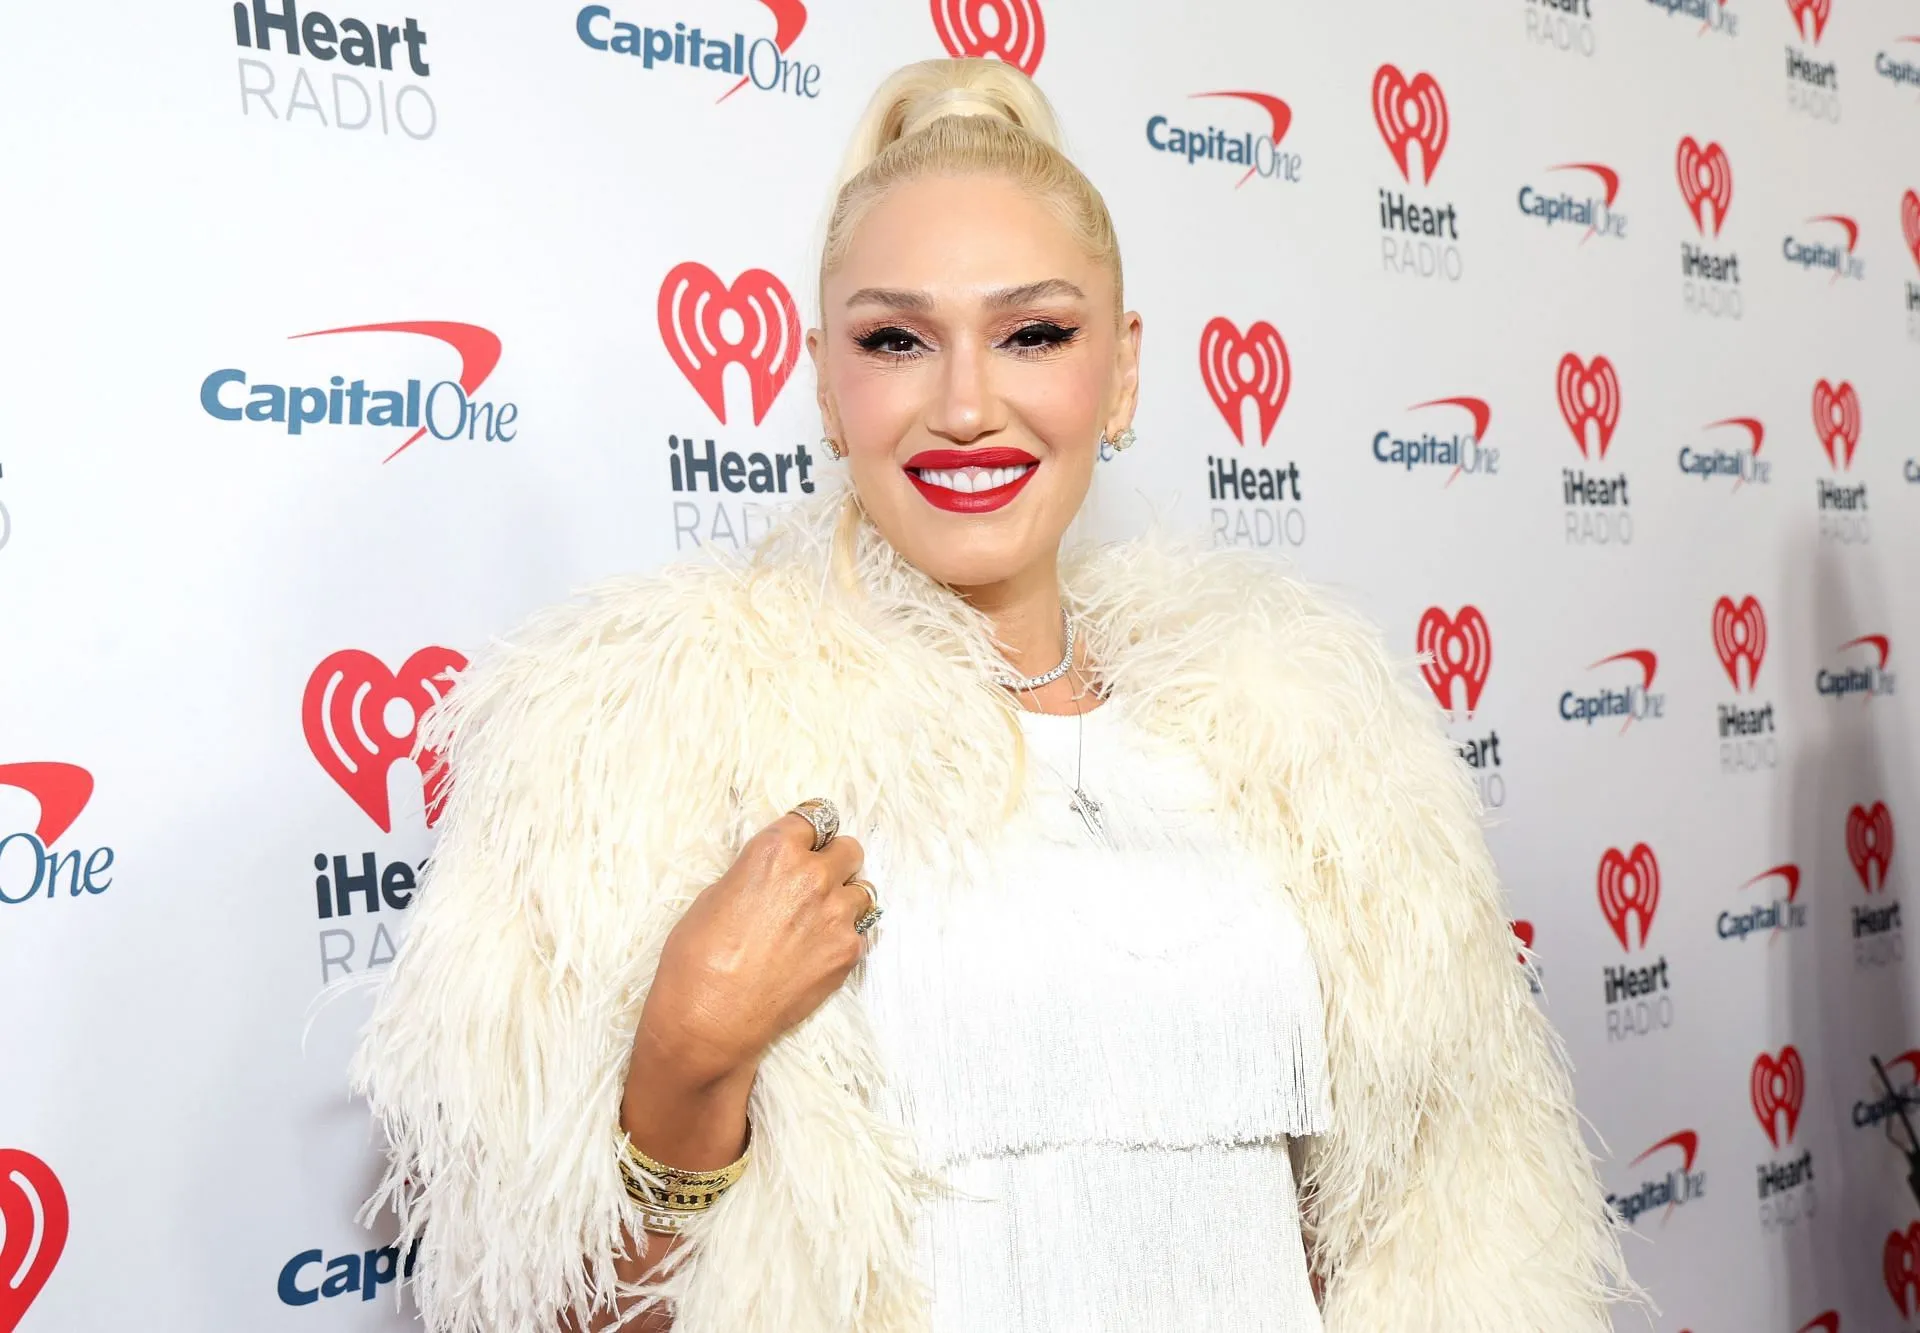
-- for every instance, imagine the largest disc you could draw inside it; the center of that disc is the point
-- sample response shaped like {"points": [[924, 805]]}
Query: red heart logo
{"points": [[1017, 33], [1900, 1263], [1740, 635], [1629, 888], [1408, 113], [1706, 177], [1817, 10], [1836, 417], [1455, 648], [1870, 844], [692, 305], [33, 1231], [1236, 368], [345, 714], [1778, 1088], [1589, 393]]}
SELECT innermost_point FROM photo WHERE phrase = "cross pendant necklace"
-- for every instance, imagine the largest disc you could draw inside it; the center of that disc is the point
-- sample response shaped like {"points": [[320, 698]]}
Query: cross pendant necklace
{"points": [[1082, 804]]}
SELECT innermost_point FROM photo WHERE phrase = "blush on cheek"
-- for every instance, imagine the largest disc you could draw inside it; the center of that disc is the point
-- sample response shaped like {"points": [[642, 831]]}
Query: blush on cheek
{"points": [[878, 405]]}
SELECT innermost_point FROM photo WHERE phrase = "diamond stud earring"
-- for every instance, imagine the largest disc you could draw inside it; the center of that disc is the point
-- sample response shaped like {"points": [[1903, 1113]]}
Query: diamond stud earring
{"points": [[1123, 440], [831, 445]]}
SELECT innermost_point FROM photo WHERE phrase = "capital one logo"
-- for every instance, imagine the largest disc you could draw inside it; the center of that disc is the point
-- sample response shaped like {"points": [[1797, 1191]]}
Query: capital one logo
{"points": [[1836, 419], [1810, 11], [1900, 1263], [1589, 395], [708, 326], [1740, 638], [1455, 648], [1411, 112], [361, 719], [1674, 1188], [447, 409], [33, 1231], [1778, 1086], [1014, 31], [1910, 223], [61, 791], [1240, 368], [1870, 844], [1706, 177], [1629, 892]]}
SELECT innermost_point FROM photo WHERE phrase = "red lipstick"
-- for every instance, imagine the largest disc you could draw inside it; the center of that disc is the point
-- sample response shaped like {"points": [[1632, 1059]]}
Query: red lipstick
{"points": [[953, 460]]}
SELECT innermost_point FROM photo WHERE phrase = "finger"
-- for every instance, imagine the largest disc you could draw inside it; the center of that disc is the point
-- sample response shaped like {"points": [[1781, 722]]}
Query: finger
{"points": [[844, 857], [795, 830], [852, 902]]}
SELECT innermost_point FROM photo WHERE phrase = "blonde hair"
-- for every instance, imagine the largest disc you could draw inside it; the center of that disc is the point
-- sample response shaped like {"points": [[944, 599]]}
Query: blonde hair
{"points": [[959, 117]]}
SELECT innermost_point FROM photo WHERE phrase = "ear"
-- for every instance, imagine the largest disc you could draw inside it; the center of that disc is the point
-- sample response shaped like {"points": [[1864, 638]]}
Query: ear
{"points": [[1126, 358], [817, 351]]}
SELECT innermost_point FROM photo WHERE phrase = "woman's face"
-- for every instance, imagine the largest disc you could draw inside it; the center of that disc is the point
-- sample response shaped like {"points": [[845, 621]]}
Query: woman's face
{"points": [[969, 361]]}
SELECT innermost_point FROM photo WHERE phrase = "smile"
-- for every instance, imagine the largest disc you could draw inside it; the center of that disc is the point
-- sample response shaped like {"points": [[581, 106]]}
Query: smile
{"points": [[970, 481]]}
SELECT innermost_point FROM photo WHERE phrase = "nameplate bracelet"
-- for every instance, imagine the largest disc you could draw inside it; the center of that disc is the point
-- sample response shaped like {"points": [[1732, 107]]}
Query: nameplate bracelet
{"points": [[680, 1193]]}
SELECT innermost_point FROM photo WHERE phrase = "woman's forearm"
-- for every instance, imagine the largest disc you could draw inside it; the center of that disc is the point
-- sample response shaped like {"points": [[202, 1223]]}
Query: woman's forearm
{"points": [[677, 1111]]}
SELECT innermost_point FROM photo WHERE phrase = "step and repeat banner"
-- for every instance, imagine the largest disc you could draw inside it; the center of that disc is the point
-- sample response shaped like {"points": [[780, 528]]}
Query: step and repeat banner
{"points": [[1578, 341]]}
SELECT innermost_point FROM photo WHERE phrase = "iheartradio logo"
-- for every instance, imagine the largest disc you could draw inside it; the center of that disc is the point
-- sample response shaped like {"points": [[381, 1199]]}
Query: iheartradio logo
{"points": [[1779, 1088], [1814, 11], [1455, 648], [1910, 223], [1740, 638], [1240, 368], [361, 719], [33, 1231], [1900, 1263], [1836, 419], [1706, 177], [61, 790], [1870, 844], [1589, 396], [1410, 112], [1011, 30], [708, 326], [1629, 890]]}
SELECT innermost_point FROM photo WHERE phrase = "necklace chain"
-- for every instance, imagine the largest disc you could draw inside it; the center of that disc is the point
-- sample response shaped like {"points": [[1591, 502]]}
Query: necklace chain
{"points": [[1046, 677], [1082, 804]]}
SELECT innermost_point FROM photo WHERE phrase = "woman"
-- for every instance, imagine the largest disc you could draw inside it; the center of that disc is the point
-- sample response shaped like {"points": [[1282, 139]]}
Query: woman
{"points": [[1196, 992]]}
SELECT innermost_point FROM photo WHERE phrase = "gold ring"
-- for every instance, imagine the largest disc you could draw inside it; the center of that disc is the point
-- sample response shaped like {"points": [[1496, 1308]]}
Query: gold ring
{"points": [[819, 812], [873, 911]]}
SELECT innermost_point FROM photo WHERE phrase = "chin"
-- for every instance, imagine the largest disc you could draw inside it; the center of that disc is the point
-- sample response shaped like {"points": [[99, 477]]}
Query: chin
{"points": [[968, 559]]}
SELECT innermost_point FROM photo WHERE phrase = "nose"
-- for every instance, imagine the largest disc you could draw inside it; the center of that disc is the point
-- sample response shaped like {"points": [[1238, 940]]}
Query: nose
{"points": [[966, 405]]}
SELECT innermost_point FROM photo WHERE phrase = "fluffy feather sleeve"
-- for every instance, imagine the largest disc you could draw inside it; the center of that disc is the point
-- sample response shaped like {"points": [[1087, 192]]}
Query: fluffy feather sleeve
{"points": [[590, 758]]}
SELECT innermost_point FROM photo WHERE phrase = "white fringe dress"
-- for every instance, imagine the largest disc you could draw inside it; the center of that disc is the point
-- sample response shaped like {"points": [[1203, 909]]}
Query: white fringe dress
{"points": [[1103, 1045]]}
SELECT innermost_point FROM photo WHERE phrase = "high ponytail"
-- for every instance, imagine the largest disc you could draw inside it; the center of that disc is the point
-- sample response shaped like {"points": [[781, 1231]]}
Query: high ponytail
{"points": [[959, 117]]}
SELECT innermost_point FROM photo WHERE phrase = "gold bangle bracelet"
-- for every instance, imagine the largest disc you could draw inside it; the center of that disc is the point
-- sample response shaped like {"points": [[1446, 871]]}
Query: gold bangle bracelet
{"points": [[679, 1192]]}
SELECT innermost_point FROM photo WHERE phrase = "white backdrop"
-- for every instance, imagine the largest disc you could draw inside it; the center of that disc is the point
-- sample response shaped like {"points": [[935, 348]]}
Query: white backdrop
{"points": [[204, 610]]}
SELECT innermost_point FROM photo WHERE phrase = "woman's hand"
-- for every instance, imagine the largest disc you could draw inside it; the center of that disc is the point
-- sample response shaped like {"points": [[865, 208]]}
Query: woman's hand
{"points": [[759, 950]]}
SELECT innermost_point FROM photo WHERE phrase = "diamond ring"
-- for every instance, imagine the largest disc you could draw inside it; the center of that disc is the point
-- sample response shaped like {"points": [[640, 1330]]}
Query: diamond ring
{"points": [[873, 912], [819, 812]]}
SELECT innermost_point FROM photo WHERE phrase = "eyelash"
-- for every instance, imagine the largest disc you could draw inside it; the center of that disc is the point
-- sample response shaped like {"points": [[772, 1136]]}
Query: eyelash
{"points": [[1051, 336]]}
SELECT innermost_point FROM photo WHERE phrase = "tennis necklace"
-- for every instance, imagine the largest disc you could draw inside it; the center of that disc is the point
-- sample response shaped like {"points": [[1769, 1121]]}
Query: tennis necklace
{"points": [[1082, 804]]}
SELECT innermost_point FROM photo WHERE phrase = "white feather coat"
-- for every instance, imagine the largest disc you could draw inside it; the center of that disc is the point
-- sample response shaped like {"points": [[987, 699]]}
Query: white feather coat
{"points": [[608, 759]]}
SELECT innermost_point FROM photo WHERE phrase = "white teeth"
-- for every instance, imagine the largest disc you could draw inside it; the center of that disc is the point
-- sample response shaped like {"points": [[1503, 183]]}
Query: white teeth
{"points": [[967, 480]]}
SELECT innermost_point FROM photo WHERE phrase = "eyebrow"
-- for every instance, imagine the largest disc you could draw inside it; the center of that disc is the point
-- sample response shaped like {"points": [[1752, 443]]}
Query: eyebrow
{"points": [[921, 303]]}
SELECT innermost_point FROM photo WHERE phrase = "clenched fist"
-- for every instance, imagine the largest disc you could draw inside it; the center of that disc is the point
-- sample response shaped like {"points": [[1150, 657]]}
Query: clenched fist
{"points": [[759, 950]]}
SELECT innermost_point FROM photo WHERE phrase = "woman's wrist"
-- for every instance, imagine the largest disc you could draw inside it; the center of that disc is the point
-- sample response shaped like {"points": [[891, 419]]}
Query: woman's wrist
{"points": [[688, 1109]]}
